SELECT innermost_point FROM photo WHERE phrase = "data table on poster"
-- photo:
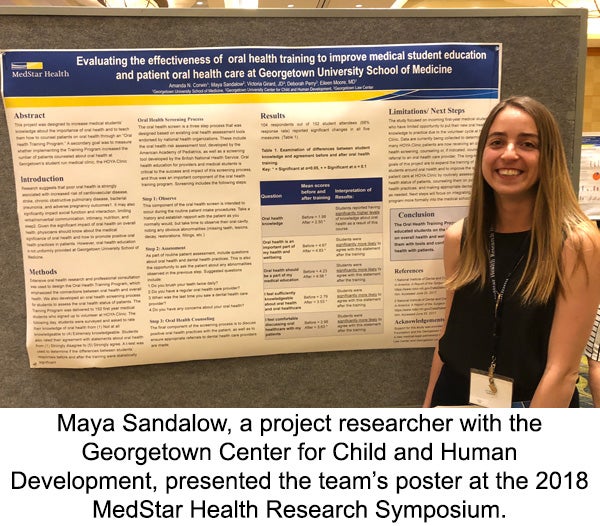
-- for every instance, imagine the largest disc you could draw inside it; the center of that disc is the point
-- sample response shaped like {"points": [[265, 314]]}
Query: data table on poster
{"points": [[322, 257]]}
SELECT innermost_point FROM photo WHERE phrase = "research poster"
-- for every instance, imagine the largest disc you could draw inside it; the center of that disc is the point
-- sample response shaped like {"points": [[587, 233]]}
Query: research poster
{"points": [[589, 175], [183, 204]]}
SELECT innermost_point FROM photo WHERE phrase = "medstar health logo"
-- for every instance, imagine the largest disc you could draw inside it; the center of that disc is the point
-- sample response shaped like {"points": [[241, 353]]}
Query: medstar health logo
{"points": [[20, 66]]}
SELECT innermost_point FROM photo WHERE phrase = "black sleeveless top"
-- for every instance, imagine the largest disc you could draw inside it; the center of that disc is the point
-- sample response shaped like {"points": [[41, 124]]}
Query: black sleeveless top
{"points": [[522, 347]]}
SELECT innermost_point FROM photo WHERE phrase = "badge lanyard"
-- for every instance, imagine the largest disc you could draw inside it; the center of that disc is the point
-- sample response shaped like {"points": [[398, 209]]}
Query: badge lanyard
{"points": [[498, 303]]}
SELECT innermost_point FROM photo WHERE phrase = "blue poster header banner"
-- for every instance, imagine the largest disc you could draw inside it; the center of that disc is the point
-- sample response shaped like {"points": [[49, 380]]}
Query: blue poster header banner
{"points": [[590, 140], [464, 70]]}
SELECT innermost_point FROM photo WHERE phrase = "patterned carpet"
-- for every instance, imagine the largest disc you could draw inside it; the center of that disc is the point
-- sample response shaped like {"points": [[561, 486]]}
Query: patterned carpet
{"points": [[585, 397]]}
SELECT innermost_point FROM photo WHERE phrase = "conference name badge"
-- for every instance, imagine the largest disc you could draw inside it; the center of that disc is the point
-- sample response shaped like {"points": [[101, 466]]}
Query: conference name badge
{"points": [[490, 391]]}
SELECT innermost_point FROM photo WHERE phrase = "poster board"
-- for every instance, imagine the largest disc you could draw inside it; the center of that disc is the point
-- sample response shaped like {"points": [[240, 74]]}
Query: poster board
{"points": [[589, 175], [161, 205], [549, 70]]}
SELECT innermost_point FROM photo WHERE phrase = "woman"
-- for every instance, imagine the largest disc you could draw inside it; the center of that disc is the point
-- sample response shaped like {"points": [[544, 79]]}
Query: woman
{"points": [[523, 270]]}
